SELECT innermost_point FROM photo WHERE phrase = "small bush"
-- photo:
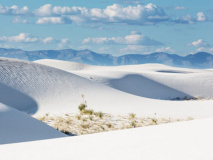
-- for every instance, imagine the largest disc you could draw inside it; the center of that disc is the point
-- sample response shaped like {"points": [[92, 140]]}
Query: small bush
{"points": [[109, 125], [84, 119], [43, 118], [82, 107], [91, 118], [133, 124], [78, 117], [99, 114], [68, 121], [155, 121], [85, 126], [132, 115], [88, 111]]}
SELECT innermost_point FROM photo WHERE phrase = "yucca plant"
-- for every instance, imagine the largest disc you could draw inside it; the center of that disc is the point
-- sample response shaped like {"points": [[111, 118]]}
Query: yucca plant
{"points": [[82, 107]]}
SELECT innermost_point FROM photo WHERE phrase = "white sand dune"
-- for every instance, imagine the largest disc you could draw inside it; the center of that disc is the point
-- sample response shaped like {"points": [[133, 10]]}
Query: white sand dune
{"points": [[48, 89], [148, 80], [180, 141], [16, 126], [51, 86]]}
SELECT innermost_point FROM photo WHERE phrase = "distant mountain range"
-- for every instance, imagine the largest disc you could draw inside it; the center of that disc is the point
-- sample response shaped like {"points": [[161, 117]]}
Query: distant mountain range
{"points": [[198, 60]]}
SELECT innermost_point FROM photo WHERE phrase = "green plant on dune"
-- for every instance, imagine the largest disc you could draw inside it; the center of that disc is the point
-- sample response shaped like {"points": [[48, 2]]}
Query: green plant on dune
{"points": [[133, 124], [154, 121], [99, 114], [88, 111], [132, 115], [82, 107]]}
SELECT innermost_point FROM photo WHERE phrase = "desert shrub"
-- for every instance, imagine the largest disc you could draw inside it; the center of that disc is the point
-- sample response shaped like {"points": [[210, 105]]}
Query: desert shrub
{"points": [[102, 127], [99, 114], [85, 126], [78, 117], [43, 118], [133, 124], [84, 119], [91, 118], [109, 125], [88, 111], [60, 119], [132, 115], [154, 120], [68, 121], [82, 107]]}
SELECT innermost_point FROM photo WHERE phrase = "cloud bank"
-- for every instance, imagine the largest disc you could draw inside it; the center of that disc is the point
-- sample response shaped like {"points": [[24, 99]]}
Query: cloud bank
{"points": [[27, 38], [14, 10], [135, 38], [135, 14]]}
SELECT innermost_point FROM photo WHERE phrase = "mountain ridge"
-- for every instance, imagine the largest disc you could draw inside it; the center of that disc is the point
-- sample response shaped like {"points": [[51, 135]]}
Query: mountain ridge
{"points": [[198, 60]]}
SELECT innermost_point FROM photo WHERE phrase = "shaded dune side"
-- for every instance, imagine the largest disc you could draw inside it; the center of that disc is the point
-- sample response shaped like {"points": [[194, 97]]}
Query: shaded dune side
{"points": [[145, 87], [17, 127]]}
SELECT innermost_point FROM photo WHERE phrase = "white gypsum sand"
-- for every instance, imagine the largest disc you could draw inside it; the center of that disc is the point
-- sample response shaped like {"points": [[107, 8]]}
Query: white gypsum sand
{"points": [[55, 87], [40, 89], [190, 140], [16, 126]]}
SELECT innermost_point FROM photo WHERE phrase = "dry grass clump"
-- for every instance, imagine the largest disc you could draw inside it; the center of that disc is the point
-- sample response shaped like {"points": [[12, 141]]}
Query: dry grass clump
{"points": [[99, 114], [133, 124], [43, 118], [78, 117], [109, 125], [87, 124], [195, 98], [82, 107], [154, 121], [132, 115], [88, 112]]}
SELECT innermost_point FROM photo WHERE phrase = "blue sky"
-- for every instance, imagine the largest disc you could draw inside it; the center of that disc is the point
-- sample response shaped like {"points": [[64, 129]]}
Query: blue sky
{"points": [[116, 27]]}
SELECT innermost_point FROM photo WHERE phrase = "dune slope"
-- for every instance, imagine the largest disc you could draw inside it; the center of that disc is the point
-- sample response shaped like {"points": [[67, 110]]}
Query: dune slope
{"points": [[148, 80], [17, 127]]}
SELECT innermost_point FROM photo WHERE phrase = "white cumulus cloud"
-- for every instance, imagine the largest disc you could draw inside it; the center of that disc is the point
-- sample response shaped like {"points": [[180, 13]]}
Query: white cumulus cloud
{"points": [[26, 38], [188, 19], [201, 17], [14, 10], [50, 10], [204, 49], [53, 20], [48, 40], [20, 20], [21, 38], [64, 43], [137, 15], [199, 43], [135, 38], [165, 49]]}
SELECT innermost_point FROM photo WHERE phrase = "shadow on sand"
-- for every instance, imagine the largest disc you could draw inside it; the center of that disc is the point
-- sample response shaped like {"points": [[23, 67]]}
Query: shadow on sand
{"points": [[17, 100], [145, 87]]}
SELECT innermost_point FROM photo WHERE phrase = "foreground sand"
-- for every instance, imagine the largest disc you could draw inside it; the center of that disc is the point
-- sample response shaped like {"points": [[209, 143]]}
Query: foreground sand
{"points": [[180, 141]]}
